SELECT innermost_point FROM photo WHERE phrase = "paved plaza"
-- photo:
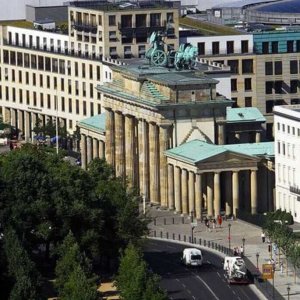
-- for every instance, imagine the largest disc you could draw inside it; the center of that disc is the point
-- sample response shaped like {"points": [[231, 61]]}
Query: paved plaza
{"points": [[162, 225]]}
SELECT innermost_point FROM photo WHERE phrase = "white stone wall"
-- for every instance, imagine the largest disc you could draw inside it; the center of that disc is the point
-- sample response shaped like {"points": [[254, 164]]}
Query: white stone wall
{"points": [[287, 158]]}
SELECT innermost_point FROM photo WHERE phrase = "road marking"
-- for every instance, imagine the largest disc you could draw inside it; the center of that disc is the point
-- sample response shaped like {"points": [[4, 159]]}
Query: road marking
{"points": [[209, 262], [211, 291], [219, 274], [233, 292]]}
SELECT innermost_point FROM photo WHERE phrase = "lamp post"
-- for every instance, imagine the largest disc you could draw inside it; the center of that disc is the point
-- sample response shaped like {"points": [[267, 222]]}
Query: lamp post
{"points": [[288, 290], [243, 241], [229, 237], [257, 256]]}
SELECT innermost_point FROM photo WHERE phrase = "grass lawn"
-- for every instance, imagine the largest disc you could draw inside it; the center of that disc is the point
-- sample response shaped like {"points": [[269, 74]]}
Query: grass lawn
{"points": [[18, 23]]}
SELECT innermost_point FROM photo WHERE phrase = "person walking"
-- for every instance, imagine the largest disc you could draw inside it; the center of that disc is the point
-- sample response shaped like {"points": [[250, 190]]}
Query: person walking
{"points": [[263, 237], [242, 251]]}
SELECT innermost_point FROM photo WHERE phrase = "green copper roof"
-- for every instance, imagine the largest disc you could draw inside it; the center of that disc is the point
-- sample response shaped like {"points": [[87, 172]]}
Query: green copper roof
{"points": [[196, 150], [95, 123], [244, 114]]}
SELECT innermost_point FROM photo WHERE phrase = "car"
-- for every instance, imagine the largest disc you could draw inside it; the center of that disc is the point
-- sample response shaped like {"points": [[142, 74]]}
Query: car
{"points": [[192, 257]]}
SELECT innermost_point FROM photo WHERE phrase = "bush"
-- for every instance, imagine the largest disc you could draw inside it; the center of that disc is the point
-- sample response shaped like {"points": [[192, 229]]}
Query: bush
{"points": [[281, 215]]}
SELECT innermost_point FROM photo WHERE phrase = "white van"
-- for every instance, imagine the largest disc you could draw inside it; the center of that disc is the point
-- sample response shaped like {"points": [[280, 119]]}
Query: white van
{"points": [[192, 257]]}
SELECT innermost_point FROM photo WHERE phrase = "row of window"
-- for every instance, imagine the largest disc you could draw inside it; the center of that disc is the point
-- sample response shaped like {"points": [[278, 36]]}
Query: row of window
{"points": [[281, 87], [247, 84], [215, 48], [52, 65], [288, 129], [48, 101], [273, 47], [286, 149], [275, 68], [286, 174]]}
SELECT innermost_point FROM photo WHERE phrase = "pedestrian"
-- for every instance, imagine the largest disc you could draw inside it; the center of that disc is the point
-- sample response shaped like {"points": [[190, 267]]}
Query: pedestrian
{"points": [[235, 251], [242, 251], [214, 223], [263, 237], [281, 267], [207, 224]]}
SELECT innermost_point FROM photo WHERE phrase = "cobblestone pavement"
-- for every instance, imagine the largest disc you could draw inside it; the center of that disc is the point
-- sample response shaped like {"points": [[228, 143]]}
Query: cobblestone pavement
{"points": [[167, 224]]}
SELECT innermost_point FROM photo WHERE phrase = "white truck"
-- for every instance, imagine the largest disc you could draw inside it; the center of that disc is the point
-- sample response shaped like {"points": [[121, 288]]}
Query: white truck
{"points": [[236, 271], [192, 257]]}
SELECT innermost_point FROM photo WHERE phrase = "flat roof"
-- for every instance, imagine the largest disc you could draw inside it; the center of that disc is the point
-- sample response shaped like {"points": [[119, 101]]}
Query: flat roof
{"points": [[95, 123], [244, 114], [196, 151], [241, 3]]}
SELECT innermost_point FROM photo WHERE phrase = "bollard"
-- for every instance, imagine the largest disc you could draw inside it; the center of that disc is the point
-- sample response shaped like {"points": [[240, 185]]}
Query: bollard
{"points": [[167, 234], [182, 220], [173, 220], [190, 239], [204, 243], [161, 234], [178, 237], [184, 238], [212, 245], [208, 244], [165, 221], [200, 241], [195, 241], [173, 236]]}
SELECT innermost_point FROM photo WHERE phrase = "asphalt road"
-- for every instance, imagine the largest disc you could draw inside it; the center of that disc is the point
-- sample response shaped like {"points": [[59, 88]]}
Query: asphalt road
{"points": [[182, 283]]}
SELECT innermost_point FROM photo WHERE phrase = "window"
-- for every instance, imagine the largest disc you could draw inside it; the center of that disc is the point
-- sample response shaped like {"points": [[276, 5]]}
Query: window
{"points": [[33, 79], [62, 104], [298, 46], [41, 100], [234, 66], [91, 91], [245, 46], [201, 48], [215, 48], [269, 87], [84, 107], [234, 85], [290, 46], [77, 107], [294, 86], [288, 129], [295, 101], [127, 51], [234, 99], [112, 36], [265, 47], [278, 86], [248, 84], [155, 20], [230, 47], [248, 101], [247, 66], [274, 47], [92, 108], [112, 20], [83, 70], [170, 17], [278, 147], [294, 67], [48, 101], [278, 68], [41, 80], [113, 52], [283, 128], [70, 105]]}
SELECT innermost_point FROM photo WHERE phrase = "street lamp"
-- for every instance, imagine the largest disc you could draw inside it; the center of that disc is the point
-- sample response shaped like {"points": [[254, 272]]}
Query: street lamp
{"points": [[243, 241], [257, 256], [229, 237], [288, 290]]}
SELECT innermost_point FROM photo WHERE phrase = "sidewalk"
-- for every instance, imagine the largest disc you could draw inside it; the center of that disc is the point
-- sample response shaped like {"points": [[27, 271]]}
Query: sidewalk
{"points": [[162, 226]]}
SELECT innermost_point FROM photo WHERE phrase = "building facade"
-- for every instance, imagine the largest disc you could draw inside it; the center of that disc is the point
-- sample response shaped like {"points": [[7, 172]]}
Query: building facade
{"points": [[287, 146], [264, 66]]}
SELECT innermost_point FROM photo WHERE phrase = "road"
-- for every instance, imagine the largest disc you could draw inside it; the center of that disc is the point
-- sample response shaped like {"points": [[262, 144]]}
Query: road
{"points": [[182, 283]]}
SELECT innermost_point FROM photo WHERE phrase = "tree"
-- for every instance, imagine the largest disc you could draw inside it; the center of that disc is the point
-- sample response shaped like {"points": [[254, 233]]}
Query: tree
{"points": [[134, 280], [294, 256], [21, 269], [73, 272]]}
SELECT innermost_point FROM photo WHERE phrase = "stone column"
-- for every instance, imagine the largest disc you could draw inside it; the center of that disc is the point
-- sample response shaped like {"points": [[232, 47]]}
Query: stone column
{"points": [[221, 134], [154, 163], [209, 195], [235, 191], [192, 193], [253, 192], [110, 137], [83, 151], [198, 196], [143, 158], [14, 118], [101, 149], [171, 203], [7, 115], [163, 146], [257, 137], [89, 149], [95, 149], [120, 143], [184, 191], [228, 192], [217, 194], [33, 122], [21, 122], [130, 150], [177, 184], [27, 126]]}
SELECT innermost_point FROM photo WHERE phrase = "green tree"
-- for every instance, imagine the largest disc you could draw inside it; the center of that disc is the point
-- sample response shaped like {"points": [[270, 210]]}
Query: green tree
{"points": [[294, 257], [134, 280], [72, 267], [21, 269]]}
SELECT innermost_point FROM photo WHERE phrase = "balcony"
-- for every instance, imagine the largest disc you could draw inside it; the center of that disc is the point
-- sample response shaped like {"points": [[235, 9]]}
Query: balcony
{"points": [[141, 31], [84, 27], [295, 190]]}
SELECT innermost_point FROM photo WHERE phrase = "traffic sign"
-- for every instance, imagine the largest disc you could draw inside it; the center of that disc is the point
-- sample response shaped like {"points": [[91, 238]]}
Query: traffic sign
{"points": [[267, 271]]}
